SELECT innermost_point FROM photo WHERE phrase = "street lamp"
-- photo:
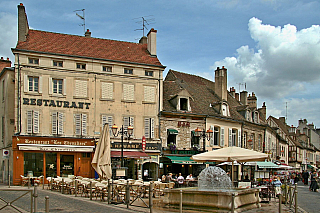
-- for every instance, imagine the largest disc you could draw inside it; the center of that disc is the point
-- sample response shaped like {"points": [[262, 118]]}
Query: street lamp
{"points": [[205, 135], [127, 132]]}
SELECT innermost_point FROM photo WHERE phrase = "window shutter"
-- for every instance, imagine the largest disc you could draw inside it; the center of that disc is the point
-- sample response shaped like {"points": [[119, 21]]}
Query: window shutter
{"points": [[110, 122], [147, 127], [128, 92], [40, 84], [103, 120], [54, 123], [77, 124], [60, 123], [26, 83], [84, 124], [35, 121], [222, 136], [84, 92], [212, 139], [29, 121], [125, 122], [239, 137], [50, 87], [131, 92], [230, 136], [149, 93], [64, 87], [131, 123], [77, 88], [152, 128], [106, 90]]}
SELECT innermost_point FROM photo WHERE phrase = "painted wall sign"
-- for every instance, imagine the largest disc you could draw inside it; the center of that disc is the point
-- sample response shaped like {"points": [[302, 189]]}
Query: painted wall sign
{"points": [[127, 145], [143, 143], [55, 103]]}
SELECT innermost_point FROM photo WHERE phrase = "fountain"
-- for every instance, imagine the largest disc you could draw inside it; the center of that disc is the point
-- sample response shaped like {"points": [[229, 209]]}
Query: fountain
{"points": [[214, 192]]}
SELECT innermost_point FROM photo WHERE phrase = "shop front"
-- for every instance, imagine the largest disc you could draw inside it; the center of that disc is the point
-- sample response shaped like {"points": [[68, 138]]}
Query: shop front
{"points": [[51, 157]]}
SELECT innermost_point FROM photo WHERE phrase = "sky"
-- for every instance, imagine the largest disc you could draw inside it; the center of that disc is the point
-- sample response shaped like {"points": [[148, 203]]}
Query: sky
{"points": [[269, 47]]}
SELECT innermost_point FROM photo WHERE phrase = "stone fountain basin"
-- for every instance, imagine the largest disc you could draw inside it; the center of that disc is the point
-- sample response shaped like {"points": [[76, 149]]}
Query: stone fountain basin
{"points": [[244, 199]]}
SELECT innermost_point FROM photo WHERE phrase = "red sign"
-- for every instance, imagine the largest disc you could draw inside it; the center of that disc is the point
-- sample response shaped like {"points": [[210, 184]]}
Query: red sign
{"points": [[143, 143]]}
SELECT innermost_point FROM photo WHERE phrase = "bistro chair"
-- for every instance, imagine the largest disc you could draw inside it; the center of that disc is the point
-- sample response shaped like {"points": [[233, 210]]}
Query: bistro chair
{"points": [[24, 180]]}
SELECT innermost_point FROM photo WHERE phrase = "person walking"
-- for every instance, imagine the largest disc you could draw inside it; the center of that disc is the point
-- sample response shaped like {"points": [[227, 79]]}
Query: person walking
{"points": [[305, 176], [314, 185]]}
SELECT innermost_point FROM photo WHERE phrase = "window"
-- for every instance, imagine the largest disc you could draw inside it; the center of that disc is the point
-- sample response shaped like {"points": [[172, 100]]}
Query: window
{"points": [[33, 60], [81, 89], [57, 86], [183, 104], [33, 164], [107, 119], [32, 121], [128, 71], [107, 90], [128, 121], [216, 136], [232, 137], [255, 117], [171, 139], [80, 124], [222, 137], [81, 66], [149, 127], [244, 141], [33, 84], [148, 73], [3, 89], [2, 128], [195, 141], [57, 123], [106, 69], [58, 63], [259, 142], [225, 110], [149, 94], [128, 92]]}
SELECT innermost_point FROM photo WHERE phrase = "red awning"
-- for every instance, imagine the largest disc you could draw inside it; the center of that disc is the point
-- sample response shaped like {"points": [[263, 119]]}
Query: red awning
{"points": [[130, 154]]}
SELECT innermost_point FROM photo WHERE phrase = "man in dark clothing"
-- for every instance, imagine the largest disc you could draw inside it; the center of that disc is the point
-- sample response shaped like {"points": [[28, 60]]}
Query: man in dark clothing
{"points": [[305, 176]]}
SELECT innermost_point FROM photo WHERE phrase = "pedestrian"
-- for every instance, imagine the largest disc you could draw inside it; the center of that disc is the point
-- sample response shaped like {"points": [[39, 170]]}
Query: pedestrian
{"points": [[314, 185], [305, 176]]}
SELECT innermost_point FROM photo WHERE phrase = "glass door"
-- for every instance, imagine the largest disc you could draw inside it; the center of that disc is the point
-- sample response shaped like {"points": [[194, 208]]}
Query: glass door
{"points": [[66, 165]]}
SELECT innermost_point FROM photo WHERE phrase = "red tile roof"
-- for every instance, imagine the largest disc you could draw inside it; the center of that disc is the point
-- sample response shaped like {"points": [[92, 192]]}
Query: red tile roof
{"points": [[73, 45]]}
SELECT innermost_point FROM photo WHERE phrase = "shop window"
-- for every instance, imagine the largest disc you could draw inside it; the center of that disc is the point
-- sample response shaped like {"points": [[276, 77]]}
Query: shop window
{"points": [[33, 164], [149, 127], [66, 165], [51, 164]]}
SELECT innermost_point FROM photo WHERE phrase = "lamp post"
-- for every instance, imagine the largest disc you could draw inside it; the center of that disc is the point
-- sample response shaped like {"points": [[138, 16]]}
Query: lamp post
{"points": [[127, 132], [204, 134]]}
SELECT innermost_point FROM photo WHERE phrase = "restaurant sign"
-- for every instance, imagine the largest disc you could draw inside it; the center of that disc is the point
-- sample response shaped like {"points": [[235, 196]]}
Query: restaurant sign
{"points": [[127, 145]]}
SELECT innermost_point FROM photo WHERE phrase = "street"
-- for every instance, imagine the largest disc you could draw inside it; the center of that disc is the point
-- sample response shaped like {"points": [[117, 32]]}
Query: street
{"points": [[307, 200]]}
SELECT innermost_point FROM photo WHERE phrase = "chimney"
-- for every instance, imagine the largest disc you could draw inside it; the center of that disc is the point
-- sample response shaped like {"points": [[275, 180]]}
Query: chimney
{"points": [[4, 63], [143, 40], [152, 42], [282, 119], [252, 100], [220, 85], [237, 96], [87, 33], [232, 91], [311, 126], [243, 97], [263, 111], [23, 26]]}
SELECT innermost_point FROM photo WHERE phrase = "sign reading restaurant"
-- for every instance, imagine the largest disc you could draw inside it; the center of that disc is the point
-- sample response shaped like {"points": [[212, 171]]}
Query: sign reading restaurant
{"points": [[55, 103]]}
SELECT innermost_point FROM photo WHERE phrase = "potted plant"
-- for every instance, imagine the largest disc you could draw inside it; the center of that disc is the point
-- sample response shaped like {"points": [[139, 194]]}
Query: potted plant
{"points": [[172, 146], [196, 147]]}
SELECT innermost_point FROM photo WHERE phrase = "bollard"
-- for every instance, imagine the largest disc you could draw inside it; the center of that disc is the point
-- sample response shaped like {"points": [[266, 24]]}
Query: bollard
{"points": [[35, 195], [9, 180], [109, 191], [90, 190], [103, 194], [180, 208], [62, 185], [43, 182], [151, 197], [47, 203], [285, 190], [28, 182], [232, 202], [127, 194], [290, 197], [295, 198], [51, 183], [75, 187], [280, 201]]}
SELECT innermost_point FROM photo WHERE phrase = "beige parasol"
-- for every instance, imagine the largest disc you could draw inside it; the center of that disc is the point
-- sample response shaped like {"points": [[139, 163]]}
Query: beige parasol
{"points": [[230, 154], [101, 161]]}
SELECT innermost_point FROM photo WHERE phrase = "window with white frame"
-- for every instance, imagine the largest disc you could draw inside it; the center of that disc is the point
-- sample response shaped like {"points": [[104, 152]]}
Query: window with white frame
{"points": [[107, 90], [57, 123], [57, 86], [148, 73], [81, 88], [34, 61], [33, 121], [80, 121], [128, 92], [107, 119], [232, 137], [214, 141], [128, 121], [32, 84], [149, 127], [259, 142], [149, 94]]}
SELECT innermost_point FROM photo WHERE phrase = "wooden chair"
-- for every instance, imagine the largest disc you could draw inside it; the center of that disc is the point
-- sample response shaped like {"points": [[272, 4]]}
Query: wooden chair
{"points": [[24, 180]]}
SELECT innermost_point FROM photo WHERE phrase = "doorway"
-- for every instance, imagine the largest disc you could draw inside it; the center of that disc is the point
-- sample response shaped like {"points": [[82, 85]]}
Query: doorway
{"points": [[66, 165]]}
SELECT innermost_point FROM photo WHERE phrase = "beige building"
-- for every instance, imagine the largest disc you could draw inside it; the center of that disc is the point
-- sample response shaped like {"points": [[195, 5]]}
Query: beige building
{"points": [[67, 87]]}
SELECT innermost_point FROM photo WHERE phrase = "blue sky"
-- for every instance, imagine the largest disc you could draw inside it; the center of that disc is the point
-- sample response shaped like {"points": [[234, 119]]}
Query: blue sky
{"points": [[271, 45]]}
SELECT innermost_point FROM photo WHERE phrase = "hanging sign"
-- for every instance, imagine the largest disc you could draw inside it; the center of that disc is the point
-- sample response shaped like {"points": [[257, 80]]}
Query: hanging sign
{"points": [[143, 143]]}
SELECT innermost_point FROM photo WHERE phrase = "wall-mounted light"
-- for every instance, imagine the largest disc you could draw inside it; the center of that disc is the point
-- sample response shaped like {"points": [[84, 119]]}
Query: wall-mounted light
{"points": [[182, 166], [79, 158], [17, 157]]}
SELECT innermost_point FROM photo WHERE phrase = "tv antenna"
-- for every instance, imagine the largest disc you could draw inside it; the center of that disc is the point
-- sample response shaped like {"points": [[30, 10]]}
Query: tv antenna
{"points": [[144, 23], [83, 18], [241, 84]]}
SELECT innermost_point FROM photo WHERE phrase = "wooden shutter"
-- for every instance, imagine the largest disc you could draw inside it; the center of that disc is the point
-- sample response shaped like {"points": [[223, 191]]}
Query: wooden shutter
{"points": [[230, 136], [212, 139], [128, 92], [77, 120], [54, 123], [107, 90], [222, 136], [84, 89], [29, 121], [35, 121], [84, 124], [151, 127], [60, 123], [40, 84], [26, 83], [149, 93], [64, 87], [77, 88], [50, 87], [103, 120], [239, 137], [147, 127]]}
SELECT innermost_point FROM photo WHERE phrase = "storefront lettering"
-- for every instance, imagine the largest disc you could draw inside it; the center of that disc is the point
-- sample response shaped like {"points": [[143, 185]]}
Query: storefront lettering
{"points": [[149, 146], [56, 142], [185, 152], [55, 103]]}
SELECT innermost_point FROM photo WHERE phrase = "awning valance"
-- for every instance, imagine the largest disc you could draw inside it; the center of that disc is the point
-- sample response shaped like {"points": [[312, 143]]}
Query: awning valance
{"points": [[267, 165], [182, 160], [130, 154], [172, 132]]}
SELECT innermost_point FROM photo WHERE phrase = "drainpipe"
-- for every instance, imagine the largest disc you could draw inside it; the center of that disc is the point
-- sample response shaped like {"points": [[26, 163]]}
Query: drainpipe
{"points": [[19, 98]]}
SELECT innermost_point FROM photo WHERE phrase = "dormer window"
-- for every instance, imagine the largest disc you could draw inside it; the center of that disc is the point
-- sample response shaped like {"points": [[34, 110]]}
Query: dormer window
{"points": [[248, 115], [225, 109], [255, 117], [184, 104]]}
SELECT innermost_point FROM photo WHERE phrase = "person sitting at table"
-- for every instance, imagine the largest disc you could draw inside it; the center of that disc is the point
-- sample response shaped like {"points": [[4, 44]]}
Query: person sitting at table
{"points": [[189, 177], [180, 180]]}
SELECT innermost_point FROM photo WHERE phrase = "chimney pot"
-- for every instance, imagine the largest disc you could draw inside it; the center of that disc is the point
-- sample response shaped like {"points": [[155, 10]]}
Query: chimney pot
{"points": [[1, 58], [7, 58], [21, 4]]}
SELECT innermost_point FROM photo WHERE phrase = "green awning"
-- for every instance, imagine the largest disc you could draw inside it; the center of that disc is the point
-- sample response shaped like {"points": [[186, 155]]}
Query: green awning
{"points": [[266, 165], [184, 160], [172, 131]]}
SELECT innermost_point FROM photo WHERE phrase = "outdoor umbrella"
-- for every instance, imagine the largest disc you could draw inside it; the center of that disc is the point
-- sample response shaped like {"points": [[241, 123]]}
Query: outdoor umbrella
{"points": [[101, 161], [230, 154]]}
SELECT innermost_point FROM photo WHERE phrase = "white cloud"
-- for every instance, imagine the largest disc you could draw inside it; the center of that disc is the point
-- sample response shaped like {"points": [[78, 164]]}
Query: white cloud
{"points": [[8, 35]]}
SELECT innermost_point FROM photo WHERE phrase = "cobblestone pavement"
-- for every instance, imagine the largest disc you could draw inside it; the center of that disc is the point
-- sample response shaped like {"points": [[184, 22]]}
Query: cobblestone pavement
{"points": [[69, 203]]}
